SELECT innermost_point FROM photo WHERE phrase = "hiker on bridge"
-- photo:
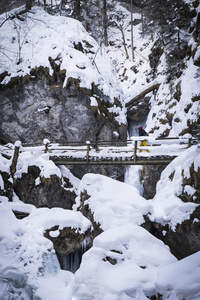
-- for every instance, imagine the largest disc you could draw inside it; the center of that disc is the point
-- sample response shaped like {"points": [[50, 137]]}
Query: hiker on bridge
{"points": [[142, 132]]}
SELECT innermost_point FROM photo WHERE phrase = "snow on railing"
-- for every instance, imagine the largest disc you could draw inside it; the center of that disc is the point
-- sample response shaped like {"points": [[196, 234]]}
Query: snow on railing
{"points": [[131, 151]]}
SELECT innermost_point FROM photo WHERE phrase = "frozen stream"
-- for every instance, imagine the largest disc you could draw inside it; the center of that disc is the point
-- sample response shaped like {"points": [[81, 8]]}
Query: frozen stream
{"points": [[132, 175]]}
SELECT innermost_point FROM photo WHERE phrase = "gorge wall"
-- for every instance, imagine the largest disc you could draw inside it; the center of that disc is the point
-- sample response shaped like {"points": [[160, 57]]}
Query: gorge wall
{"points": [[34, 109]]}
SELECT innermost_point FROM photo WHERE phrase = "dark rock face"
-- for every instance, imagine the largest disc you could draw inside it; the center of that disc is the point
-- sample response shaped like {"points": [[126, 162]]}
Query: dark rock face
{"points": [[150, 175], [49, 193], [194, 181], [139, 110], [7, 5], [116, 172], [185, 240], [34, 109], [69, 245], [37, 107]]}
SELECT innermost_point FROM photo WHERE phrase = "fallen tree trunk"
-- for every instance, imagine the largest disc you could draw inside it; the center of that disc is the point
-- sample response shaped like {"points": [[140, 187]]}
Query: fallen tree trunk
{"points": [[142, 93]]}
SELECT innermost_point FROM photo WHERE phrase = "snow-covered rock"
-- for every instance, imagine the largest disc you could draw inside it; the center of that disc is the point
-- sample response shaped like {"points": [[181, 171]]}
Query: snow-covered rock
{"points": [[122, 264], [111, 203]]}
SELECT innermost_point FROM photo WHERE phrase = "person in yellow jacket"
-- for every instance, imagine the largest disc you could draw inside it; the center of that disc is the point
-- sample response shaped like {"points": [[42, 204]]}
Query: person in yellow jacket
{"points": [[142, 132]]}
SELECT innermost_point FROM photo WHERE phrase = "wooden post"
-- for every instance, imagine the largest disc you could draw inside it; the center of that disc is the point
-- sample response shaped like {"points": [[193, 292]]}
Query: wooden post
{"points": [[135, 152], [13, 166], [46, 148], [46, 142], [96, 146], [88, 150], [189, 142]]}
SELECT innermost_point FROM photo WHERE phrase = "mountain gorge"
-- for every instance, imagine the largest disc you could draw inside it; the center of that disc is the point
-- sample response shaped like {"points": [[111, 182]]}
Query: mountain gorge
{"points": [[91, 71]]}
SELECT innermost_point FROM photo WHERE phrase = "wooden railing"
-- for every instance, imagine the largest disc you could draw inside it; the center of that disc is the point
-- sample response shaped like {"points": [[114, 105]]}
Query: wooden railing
{"points": [[160, 151]]}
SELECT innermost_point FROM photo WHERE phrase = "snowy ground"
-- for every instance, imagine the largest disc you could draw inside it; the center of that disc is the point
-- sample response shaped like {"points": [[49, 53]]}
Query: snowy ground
{"points": [[125, 262]]}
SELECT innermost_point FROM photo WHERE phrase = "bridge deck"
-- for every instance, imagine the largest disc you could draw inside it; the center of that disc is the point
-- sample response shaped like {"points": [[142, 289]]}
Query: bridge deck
{"points": [[108, 161]]}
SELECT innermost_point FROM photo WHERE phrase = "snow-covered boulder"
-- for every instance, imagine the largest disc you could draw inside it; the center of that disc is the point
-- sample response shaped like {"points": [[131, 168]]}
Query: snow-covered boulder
{"points": [[28, 259], [37, 181], [122, 264], [111, 203]]}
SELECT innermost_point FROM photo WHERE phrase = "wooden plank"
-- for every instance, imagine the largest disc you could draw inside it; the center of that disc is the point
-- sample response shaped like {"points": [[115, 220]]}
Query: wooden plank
{"points": [[139, 161]]}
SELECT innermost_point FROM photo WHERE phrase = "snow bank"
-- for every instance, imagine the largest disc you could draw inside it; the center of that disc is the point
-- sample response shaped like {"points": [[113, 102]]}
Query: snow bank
{"points": [[18, 205], [180, 279], [45, 218], [124, 262], [24, 248], [27, 159], [112, 202]]}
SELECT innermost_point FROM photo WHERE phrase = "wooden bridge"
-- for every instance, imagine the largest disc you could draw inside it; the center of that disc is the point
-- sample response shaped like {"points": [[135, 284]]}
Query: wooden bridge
{"points": [[116, 153], [157, 152]]}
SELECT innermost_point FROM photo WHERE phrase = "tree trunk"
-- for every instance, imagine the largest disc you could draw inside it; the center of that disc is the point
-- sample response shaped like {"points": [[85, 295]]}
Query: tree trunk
{"points": [[77, 9], [132, 44], [143, 93], [29, 4], [105, 23], [124, 41], [142, 19]]}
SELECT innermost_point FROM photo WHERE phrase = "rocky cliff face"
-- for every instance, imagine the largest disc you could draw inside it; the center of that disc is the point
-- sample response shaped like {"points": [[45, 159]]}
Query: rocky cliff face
{"points": [[33, 109], [150, 175], [181, 182]]}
